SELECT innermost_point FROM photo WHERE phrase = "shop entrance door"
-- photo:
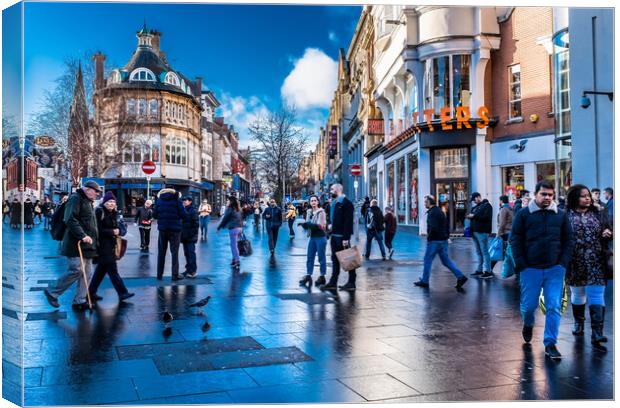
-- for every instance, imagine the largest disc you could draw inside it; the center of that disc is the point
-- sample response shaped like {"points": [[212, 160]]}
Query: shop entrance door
{"points": [[452, 199]]}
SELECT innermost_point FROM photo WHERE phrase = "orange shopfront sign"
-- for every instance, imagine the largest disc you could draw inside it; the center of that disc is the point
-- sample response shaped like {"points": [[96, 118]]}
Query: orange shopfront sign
{"points": [[462, 117]]}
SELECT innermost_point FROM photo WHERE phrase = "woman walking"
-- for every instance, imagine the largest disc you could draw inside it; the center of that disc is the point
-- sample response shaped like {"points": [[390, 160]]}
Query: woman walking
{"points": [[16, 214], [28, 214], [316, 224], [110, 225], [390, 230], [144, 219], [233, 222], [204, 213], [586, 271], [38, 211], [291, 214]]}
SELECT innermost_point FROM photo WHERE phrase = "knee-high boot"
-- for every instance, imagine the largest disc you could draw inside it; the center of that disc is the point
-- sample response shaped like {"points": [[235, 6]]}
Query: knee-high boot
{"points": [[597, 317], [579, 314]]}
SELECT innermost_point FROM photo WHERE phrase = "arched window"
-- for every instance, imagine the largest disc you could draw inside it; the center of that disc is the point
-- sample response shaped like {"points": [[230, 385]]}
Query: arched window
{"points": [[131, 107], [176, 151], [153, 107], [114, 78], [172, 79], [142, 74]]}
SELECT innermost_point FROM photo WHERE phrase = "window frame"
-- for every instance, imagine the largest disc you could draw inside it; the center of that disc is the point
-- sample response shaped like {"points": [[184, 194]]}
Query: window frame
{"points": [[511, 99], [136, 75]]}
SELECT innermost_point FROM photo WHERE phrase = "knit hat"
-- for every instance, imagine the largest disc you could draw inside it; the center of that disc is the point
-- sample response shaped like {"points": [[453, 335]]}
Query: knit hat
{"points": [[108, 196]]}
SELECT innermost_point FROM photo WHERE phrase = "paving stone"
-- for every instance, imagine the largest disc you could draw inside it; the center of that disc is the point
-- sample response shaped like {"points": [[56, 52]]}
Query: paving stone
{"points": [[194, 399], [114, 370], [46, 316], [378, 387], [97, 392], [318, 392]]}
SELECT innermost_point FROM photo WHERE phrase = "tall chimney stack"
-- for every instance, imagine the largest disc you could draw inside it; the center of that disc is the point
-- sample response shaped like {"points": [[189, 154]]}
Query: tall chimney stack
{"points": [[155, 41], [198, 88], [99, 79]]}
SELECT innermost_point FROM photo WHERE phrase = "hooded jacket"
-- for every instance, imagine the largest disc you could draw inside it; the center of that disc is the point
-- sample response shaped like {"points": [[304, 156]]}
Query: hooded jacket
{"points": [[169, 211], [541, 238]]}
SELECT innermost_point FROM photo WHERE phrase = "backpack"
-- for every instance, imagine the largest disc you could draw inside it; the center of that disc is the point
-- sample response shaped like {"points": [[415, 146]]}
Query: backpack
{"points": [[58, 226]]}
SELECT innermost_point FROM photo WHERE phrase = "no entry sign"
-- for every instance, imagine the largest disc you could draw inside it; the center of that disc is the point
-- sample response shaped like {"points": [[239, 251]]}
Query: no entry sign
{"points": [[356, 170], [148, 167]]}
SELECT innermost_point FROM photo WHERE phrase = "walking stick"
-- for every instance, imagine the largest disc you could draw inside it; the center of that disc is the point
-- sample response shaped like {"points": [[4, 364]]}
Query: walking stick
{"points": [[90, 304]]}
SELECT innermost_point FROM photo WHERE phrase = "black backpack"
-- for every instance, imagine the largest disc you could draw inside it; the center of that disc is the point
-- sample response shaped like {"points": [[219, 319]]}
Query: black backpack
{"points": [[58, 224]]}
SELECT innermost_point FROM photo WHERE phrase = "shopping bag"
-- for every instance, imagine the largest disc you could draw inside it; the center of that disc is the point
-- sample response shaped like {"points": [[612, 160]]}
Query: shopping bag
{"points": [[244, 246], [508, 268], [349, 258], [120, 248], [496, 249], [467, 228], [541, 300]]}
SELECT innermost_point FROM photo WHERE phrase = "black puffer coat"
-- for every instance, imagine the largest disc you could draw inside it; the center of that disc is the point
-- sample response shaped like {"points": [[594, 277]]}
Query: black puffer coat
{"points": [[169, 211], [191, 225], [483, 217]]}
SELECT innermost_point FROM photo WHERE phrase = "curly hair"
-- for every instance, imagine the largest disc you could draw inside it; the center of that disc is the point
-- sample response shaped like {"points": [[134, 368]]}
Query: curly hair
{"points": [[573, 195]]}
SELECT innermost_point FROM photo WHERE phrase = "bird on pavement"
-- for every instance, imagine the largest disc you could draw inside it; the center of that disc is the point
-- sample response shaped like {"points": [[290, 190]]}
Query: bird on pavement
{"points": [[167, 332], [201, 303], [167, 317], [205, 327]]}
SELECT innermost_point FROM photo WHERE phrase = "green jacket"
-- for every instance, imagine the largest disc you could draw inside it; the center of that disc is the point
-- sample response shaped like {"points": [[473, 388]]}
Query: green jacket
{"points": [[80, 221]]}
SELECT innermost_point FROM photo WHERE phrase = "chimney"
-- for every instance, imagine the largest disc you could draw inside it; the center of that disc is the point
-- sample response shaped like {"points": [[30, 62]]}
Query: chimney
{"points": [[155, 42], [99, 79], [198, 87]]}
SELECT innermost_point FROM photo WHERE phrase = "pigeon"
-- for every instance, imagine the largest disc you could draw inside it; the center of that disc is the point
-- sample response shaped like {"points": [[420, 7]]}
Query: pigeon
{"points": [[205, 327], [167, 332], [167, 317], [201, 303]]}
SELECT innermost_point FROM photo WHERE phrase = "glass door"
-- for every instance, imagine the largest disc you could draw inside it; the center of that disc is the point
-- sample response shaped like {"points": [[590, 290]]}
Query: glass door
{"points": [[452, 199]]}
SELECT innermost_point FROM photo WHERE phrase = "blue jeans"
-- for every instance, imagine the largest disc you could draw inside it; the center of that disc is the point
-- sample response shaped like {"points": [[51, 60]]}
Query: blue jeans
{"points": [[481, 242], [316, 244], [189, 250], [234, 237], [47, 220], [438, 248], [551, 281], [378, 235], [204, 225]]}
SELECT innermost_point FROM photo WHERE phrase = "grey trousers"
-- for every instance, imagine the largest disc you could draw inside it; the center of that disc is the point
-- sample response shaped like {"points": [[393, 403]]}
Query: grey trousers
{"points": [[74, 274]]}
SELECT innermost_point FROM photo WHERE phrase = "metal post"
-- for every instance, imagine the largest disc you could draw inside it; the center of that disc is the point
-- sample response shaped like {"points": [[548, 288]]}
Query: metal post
{"points": [[148, 187], [356, 224]]}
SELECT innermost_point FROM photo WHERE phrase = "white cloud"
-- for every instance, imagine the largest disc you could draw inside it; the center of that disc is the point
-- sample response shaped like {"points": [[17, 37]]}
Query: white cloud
{"points": [[312, 82], [241, 112]]}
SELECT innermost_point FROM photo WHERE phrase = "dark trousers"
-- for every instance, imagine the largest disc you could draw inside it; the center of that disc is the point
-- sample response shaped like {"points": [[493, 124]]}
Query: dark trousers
{"points": [[273, 237], [336, 245], [145, 237], [291, 230], [389, 236], [189, 250], [165, 238], [111, 269], [374, 234], [256, 220]]}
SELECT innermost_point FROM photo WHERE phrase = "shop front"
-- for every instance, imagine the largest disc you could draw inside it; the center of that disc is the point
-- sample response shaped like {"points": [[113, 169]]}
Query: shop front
{"points": [[450, 181], [401, 181]]}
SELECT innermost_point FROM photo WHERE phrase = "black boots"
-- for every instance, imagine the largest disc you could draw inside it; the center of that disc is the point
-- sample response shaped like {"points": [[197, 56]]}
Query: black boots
{"points": [[579, 314], [597, 316]]}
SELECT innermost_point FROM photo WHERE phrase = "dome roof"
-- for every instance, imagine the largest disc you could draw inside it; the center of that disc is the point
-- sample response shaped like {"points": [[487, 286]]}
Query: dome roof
{"points": [[144, 57]]}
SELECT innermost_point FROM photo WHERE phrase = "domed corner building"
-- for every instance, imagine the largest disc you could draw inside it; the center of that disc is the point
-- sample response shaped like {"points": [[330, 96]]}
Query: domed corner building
{"points": [[148, 111]]}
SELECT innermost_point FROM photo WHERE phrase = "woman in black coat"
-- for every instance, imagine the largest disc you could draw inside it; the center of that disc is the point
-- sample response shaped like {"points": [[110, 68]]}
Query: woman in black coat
{"points": [[28, 214], [16, 213], [110, 225]]}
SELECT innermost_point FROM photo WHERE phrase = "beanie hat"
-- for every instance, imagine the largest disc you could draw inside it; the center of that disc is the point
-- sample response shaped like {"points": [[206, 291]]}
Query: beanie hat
{"points": [[108, 196]]}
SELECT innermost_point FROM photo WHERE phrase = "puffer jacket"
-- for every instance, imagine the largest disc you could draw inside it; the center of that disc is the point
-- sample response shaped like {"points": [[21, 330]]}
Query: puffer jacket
{"points": [[541, 238], [169, 211]]}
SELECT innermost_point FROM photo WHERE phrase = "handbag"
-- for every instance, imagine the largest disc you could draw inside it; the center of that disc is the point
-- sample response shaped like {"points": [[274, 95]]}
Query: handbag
{"points": [[541, 300], [349, 258], [120, 248], [496, 249], [244, 246]]}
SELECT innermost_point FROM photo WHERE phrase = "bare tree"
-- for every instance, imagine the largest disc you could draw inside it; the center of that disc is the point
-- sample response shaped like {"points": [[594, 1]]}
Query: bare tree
{"points": [[281, 148]]}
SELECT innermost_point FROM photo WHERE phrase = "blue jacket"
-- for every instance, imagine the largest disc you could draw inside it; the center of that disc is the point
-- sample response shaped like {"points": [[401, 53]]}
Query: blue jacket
{"points": [[272, 216], [169, 211], [191, 224], [541, 238]]}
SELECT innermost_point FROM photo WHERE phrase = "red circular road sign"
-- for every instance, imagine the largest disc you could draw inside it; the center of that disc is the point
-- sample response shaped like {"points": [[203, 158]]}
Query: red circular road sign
{"points": [[356, 170], [148, 167]]}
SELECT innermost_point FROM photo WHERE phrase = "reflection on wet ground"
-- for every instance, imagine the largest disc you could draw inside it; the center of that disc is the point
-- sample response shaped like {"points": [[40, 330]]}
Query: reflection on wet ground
{"points": [[262, 338]]}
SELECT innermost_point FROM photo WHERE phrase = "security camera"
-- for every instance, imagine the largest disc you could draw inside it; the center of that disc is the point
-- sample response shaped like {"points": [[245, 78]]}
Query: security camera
{"points": [[585, 102]]}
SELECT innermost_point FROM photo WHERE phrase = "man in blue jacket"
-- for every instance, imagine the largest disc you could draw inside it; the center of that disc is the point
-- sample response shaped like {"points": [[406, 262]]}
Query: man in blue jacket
{"points": [[189, 237], [542, 245], [273, 221], [437, 244], [169, 213], [481, 221]]}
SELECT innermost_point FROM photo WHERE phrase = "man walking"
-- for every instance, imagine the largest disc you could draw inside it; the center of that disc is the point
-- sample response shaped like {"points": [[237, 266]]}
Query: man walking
{"points": [[47, 208], [144, 218], [374, 228], [542, 244], [205, 217], [81, 230], [189, 237], [437, 234], [390, 230], [481, 223], [341, 218], [169, 213], [273, 221]]}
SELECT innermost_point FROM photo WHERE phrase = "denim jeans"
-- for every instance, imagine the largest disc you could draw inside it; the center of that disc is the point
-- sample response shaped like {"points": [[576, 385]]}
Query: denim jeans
{"points": [[481, 242], [189, 250], [47, 220], [291, 224], [204, 225], [378, 235], [316, 244], [551, 281], [592, 294], [234, 237], [165, 238], [440, 248], [111, 268]]}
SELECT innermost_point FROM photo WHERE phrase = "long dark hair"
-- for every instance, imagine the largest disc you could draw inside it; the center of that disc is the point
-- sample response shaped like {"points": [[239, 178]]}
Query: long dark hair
{"points": [[573, 195], [234, 203]]}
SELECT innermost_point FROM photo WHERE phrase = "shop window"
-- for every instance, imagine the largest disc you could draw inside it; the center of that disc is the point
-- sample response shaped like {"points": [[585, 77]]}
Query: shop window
{"points": [[390, 185], [401, 196], [514, 98], [545, 172], [452, 163], [372, 182], [447, 83], [513, 182], [460, 75], [413, 188]]}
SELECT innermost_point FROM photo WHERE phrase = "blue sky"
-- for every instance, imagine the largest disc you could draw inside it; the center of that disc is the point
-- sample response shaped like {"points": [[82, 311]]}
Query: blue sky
{"points": [[251, 56]]}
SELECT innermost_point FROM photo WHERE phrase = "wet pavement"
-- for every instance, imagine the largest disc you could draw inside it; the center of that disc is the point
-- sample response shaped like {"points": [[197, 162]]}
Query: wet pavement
{"points": [[271, 341]]}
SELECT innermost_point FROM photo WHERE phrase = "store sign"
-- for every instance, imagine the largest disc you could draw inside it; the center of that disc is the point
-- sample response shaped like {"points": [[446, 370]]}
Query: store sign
{"points": [[44, 141], [462, 117], [333, 142], [375, 127]]}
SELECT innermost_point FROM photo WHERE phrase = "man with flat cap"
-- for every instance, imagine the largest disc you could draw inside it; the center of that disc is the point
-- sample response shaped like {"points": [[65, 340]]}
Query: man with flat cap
{"points": [[81, 229]]}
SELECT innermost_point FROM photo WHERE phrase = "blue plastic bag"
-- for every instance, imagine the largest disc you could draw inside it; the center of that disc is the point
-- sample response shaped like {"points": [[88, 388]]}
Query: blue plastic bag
{"points": [[467, 229], [508, 268], [496, 249]]}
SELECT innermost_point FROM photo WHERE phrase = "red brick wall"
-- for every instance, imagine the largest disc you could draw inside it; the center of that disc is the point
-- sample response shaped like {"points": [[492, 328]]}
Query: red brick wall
{"points": [[519, 35]]}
